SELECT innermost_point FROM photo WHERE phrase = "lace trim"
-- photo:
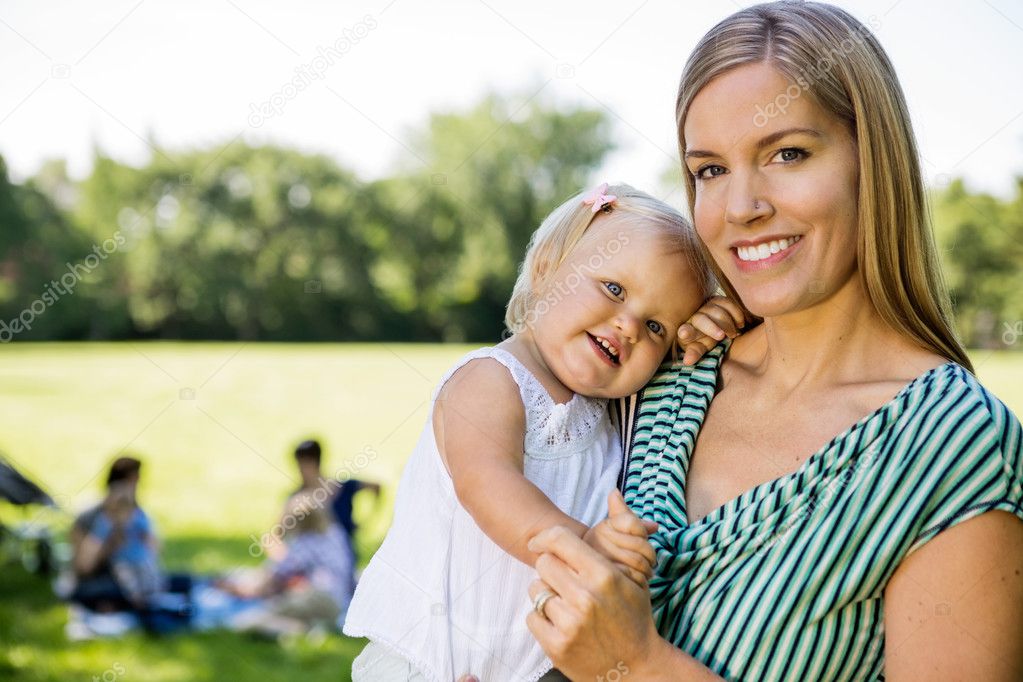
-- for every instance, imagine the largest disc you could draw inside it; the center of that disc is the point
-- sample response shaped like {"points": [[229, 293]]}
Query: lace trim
{"points": [[552, 429]]}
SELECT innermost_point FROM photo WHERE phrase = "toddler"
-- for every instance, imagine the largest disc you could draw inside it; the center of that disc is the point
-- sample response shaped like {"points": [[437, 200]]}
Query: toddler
{"points": [[520, 439]]}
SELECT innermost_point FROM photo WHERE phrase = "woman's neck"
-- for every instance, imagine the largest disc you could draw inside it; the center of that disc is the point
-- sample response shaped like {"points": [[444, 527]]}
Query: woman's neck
{"points": [[834, 341]]}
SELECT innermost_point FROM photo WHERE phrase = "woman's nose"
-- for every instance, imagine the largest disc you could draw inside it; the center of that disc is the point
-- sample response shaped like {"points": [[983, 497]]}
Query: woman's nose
{"points": [[746, 200]]}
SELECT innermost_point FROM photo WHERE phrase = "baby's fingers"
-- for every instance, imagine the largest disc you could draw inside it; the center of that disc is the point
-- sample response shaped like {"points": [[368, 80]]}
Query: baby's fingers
{"points": [[694, 350], [631, 524], [628, 549], [710, 320]]}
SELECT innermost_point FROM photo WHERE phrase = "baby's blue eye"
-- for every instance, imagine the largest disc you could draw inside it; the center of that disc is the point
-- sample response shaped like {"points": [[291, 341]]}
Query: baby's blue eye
{"points": [[655, 326], [614, 288]]}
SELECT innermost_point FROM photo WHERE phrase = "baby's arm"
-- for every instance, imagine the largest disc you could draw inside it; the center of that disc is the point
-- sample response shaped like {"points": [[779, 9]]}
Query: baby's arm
{"points": [[480, 426]]}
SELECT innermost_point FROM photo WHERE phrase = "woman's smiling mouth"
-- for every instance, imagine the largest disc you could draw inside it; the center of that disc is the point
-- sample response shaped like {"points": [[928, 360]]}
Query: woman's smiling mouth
{"points": [[753, 256]]}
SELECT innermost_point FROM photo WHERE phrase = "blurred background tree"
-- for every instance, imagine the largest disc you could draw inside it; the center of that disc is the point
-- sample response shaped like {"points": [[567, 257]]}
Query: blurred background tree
{"points": [[240, 242], [981, 242]]}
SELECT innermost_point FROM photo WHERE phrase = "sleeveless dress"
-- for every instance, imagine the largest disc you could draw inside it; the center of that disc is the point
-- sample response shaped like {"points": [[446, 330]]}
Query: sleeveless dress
{"points": [[439, 592], [786, 581]]}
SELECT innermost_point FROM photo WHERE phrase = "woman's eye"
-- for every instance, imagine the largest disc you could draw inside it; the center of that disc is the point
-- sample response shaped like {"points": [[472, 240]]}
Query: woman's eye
{"points": [[655, 326], [790, 154], [709, 171], [614, 288]]}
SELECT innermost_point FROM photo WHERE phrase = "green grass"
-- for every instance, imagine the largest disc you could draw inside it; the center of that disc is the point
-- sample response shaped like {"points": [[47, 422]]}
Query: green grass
{"points": [[217, 468], [215, 425]]}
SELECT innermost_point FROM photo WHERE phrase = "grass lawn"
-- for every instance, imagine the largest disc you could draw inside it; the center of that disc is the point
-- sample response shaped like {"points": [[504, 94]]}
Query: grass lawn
{"points": [[215, 425]]}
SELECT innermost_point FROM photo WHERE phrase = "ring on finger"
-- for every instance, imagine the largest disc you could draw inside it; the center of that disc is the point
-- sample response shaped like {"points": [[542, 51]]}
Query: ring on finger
{"points": [[540, 603]]}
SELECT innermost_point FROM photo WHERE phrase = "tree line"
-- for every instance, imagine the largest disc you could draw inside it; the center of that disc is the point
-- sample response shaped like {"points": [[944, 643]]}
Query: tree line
{"points": [[270, 243]]}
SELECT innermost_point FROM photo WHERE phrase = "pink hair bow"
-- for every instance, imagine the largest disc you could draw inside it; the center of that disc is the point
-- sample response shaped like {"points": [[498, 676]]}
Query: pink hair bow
{"points": [[598, 198]]}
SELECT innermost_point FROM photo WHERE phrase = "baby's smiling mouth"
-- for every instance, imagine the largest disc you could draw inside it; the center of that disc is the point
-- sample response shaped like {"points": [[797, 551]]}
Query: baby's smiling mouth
{"points": [[605, 346]]}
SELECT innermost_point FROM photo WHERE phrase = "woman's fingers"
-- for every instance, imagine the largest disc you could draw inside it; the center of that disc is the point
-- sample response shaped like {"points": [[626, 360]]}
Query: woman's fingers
{"points": [[561, 577], [572, 568], [555, 610], [638, 577], [562, 543]]}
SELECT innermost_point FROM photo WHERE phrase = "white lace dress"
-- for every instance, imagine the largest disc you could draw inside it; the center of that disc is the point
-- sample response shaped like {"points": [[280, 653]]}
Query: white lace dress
{"points": [[443, 595]]}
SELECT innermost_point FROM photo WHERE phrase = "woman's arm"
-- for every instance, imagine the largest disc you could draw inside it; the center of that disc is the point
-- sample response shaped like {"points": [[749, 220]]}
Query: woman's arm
{"points": [[954, 607], [600, 621]]}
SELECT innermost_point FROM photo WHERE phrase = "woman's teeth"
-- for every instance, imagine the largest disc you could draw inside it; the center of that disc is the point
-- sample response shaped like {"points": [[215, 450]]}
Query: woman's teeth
{"points": [[765, 250]]}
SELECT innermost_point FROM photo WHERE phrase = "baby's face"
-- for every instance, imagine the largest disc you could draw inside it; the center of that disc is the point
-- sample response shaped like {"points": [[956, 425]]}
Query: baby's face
{"points": [[611, 311]]}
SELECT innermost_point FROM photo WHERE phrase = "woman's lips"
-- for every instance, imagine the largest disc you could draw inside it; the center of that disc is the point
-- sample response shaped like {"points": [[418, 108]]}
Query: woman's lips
{"points": [[764, 263]]}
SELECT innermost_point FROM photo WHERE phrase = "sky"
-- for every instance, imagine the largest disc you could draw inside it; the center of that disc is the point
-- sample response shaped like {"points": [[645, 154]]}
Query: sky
{"points": [[120, 74]]}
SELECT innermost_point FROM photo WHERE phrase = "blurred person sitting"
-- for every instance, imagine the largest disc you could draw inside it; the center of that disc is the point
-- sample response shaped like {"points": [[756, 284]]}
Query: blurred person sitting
{"points": [[307, 584], [308, 456], [116, 557], [115, 532]]}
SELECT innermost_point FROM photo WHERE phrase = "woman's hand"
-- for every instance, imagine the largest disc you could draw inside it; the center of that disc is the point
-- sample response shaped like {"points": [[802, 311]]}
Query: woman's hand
{"points": [[599, 620], [717, 318]]}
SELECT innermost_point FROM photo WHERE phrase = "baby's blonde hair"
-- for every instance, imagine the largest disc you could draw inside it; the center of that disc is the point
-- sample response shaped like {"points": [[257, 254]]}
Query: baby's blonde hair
{"points": [[561, 231]]}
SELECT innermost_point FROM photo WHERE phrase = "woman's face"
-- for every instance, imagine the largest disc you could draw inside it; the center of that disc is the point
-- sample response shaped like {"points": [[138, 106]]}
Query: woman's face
{"points": [[776, 189]]}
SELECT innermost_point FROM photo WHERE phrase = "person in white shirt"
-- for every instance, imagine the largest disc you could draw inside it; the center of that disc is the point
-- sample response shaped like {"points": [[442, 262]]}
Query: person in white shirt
{"points": [[520, 439]]}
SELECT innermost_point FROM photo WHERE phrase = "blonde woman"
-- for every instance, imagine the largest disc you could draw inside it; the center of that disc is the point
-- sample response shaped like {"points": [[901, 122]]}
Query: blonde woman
{"points": [[837, 497]]}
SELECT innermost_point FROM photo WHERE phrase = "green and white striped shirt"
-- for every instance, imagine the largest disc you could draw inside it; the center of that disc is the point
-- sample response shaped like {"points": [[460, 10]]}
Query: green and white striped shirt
{"points": [[786, 582]]}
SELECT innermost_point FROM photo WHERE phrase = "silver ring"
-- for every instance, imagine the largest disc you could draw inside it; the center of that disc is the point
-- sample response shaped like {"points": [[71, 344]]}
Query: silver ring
{"points": [[541, 601]]}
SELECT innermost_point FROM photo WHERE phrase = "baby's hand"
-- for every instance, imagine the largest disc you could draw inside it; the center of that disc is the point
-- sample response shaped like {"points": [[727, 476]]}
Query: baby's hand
{"points": [[717, 318], [622, 538]]}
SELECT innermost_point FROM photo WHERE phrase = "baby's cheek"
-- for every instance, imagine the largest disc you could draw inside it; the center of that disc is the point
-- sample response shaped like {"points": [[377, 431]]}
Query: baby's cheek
{"points": [[644, 369]]}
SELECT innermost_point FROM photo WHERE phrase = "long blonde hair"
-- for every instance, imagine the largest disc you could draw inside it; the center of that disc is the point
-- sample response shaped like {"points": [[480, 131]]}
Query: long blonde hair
{"points": [[840, 63], [559, 233]]}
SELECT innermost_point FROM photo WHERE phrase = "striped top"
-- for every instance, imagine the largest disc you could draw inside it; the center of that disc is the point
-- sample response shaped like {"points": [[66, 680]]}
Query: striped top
{"points": [[787, 580]]}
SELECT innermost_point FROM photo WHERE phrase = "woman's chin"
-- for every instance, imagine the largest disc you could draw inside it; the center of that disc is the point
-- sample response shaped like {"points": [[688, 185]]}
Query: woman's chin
{"points": [[766, 304]]}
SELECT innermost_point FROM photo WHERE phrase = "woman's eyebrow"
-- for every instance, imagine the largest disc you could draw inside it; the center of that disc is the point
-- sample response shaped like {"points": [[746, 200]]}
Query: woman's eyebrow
{"points": [[774, 137], [763, 142]]}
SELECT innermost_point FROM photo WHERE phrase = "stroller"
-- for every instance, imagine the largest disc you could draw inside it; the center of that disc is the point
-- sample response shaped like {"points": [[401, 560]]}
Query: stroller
{"points": [[30, 541]]}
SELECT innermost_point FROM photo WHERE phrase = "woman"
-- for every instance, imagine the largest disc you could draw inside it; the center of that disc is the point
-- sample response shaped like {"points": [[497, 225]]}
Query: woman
{"points": [[811, 525]]}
